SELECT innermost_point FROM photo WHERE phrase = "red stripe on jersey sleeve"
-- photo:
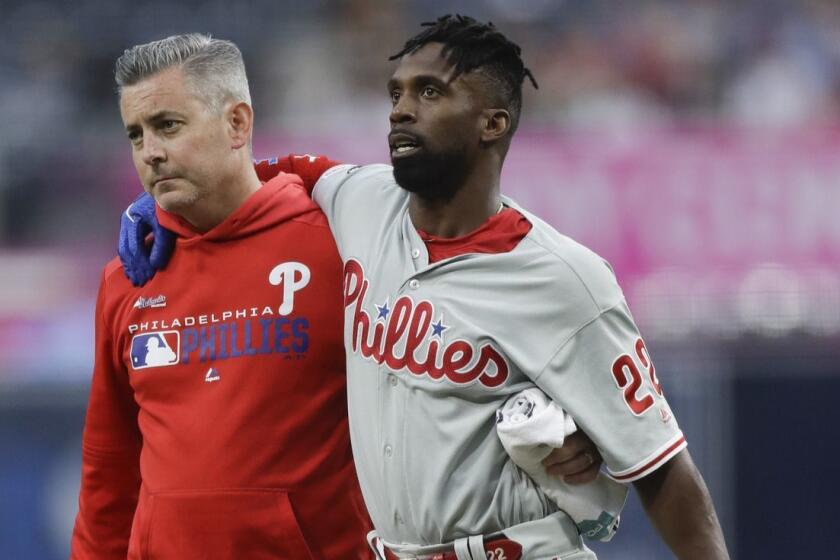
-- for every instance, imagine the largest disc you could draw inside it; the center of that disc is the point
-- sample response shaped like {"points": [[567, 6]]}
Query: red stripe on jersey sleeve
{"points": [[653, 464]]}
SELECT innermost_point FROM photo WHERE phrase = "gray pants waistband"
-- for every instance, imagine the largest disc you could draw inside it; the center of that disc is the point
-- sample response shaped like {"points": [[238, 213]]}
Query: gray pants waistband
{"points": [[553, 536]]}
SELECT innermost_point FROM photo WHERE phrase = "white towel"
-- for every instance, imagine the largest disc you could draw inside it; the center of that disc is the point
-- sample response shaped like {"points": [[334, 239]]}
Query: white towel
{"points": [[530, 425]]}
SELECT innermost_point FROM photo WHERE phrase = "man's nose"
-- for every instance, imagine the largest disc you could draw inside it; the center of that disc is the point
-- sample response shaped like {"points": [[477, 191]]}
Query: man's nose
{"points": [[153, 152], [404, 110]]}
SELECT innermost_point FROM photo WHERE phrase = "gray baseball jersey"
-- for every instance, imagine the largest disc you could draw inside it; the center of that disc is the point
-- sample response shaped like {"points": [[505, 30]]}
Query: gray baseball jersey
{"points": [[434, 349]]}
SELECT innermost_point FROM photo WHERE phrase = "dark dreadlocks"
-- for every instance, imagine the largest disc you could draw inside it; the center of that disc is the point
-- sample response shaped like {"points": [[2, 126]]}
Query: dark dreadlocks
{"points": [[469, 45]]}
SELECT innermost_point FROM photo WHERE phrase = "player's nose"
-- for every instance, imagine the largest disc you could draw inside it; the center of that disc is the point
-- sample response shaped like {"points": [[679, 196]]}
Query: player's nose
{"points": [[404, 110]]}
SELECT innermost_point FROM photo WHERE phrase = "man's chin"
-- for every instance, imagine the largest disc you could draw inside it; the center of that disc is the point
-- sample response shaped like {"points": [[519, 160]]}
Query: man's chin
{"points": [[174, 202], [410, 178], [428, 178]]}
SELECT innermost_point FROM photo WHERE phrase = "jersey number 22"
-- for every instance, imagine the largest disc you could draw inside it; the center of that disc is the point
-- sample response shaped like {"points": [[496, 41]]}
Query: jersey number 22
{"points": [[629, 379]]}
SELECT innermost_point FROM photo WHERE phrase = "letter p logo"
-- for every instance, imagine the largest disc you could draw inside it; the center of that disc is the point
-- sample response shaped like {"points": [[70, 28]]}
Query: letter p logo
{"points": [[293, 276]]}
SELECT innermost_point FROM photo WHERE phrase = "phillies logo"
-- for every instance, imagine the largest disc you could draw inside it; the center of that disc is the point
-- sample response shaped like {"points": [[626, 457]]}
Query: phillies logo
{"points": [[293, 276], [409, 323]]}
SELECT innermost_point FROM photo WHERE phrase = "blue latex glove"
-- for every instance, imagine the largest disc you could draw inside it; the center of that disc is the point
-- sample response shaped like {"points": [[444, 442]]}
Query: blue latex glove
{"points": [[139, 261]]}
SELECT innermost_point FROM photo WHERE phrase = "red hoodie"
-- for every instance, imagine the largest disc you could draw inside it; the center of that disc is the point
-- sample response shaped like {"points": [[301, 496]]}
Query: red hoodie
{"points": [[217, 421]]}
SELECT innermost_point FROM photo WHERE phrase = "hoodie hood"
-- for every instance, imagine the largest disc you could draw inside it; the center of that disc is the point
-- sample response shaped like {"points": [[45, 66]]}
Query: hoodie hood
{"points": [[279, 200]]}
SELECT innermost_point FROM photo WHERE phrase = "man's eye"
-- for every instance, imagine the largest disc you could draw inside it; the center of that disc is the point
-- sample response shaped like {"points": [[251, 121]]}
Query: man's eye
{"points": [[395, 96], [170, 125], [429, 91], [134, 137]]}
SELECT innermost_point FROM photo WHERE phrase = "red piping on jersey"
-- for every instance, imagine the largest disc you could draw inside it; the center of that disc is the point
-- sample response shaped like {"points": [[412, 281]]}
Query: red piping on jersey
{"points": [[650, 463]]}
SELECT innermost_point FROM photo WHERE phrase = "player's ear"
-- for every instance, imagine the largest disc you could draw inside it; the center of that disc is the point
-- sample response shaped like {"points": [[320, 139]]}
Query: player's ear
{"points": [[495, 124], [240, 119]]}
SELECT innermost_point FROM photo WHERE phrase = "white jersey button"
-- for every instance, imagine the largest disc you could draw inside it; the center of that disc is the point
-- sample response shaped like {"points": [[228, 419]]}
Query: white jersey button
{"points": [[414, 284], [388, 451], [392, 379], [415, 253]]}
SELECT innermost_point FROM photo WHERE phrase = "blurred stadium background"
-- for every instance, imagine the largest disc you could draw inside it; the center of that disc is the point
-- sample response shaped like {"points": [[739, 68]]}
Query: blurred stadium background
{"points": [[693, 143]]}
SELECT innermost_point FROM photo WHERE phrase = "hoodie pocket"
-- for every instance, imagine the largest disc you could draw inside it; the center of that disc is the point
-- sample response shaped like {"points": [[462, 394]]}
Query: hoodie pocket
{"points": [[223, 525]]}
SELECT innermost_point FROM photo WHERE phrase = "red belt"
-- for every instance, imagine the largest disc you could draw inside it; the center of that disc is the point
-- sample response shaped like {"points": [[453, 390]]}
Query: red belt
{"points": [[497, 549]]}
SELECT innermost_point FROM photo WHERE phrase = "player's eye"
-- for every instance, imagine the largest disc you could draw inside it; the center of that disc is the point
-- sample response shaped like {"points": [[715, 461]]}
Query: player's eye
{"points": [[134, 136], [169, 125], [395, 96], [429, 91]]}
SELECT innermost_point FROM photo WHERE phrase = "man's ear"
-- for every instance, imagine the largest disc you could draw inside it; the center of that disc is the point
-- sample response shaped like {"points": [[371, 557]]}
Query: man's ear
{"points": [[240, 119], [495, 125]]}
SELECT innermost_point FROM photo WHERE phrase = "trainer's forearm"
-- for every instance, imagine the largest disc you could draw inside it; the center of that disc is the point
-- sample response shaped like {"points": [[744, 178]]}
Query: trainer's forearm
{"points": [[678, 503]]}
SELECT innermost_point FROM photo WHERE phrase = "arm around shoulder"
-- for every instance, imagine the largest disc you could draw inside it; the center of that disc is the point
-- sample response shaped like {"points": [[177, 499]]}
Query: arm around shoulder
{"points": [[308, 167], [678, 504]]}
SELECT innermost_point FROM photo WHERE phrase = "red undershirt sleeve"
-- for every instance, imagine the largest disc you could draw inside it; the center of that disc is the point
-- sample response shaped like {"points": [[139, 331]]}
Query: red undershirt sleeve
{"points": [[308, 168]]}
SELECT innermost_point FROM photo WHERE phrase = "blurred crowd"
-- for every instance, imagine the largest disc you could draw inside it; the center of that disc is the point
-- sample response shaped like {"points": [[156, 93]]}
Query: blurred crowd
{"points": [[320, 66]]}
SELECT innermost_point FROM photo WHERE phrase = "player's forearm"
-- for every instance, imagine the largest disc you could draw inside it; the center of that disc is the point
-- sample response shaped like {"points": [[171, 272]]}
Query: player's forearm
{"points": [[309, 168], [678, 503]]}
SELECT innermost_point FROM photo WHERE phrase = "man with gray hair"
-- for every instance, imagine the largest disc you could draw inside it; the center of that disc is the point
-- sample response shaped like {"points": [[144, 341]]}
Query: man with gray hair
{"points": [[230, 439]]}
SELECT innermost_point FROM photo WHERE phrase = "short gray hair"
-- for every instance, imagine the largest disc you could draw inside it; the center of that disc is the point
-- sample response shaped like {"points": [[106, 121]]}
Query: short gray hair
{"points": [[213, 66]]}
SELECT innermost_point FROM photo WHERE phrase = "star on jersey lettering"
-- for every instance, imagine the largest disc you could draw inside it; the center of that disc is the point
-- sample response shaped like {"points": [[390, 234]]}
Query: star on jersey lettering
{"points": [[399, 340], [438, 328]]}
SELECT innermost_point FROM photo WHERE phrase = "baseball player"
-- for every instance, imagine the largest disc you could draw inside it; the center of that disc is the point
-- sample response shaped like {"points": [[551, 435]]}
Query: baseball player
{"points": [[216, 426], [455, 299]]}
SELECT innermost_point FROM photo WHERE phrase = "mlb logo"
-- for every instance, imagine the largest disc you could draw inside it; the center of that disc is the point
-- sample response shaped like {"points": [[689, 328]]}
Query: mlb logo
{"points": [[155, 349]]}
